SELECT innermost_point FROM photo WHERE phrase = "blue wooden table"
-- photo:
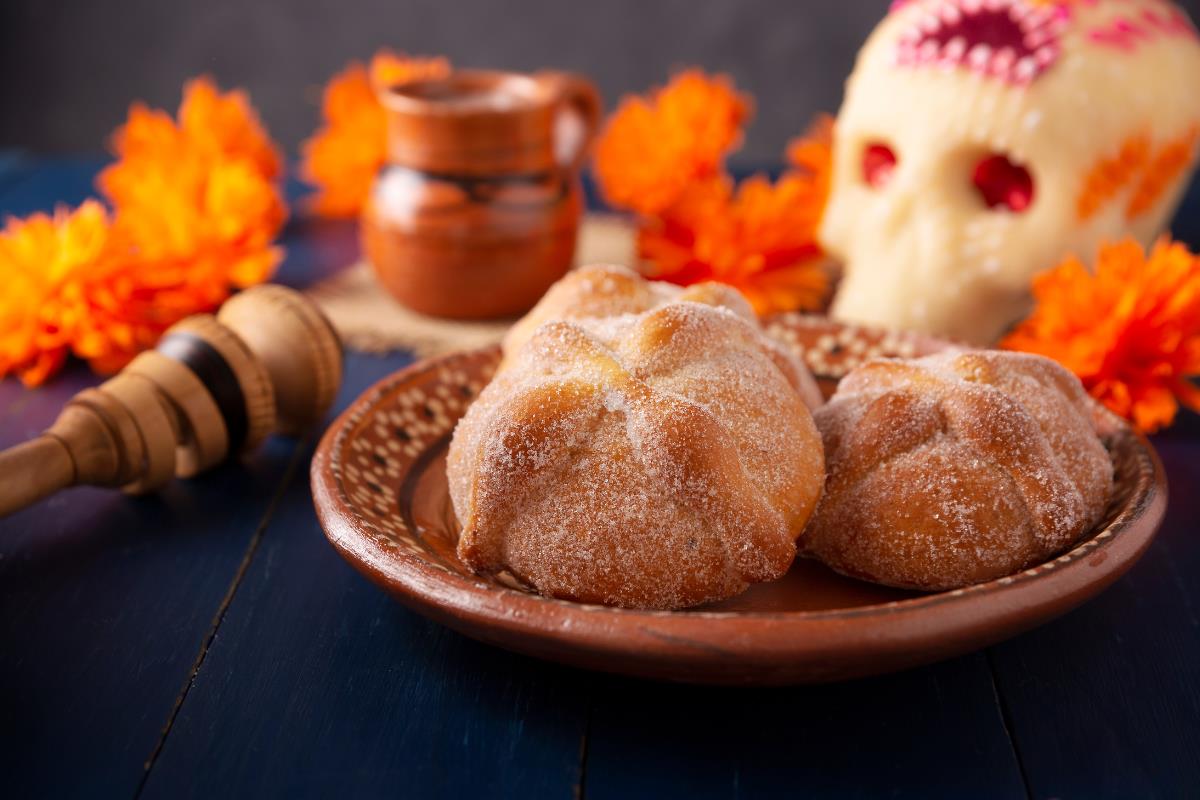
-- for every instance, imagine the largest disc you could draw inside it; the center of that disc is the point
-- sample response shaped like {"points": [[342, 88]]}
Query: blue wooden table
{"points": [[208, 642]]}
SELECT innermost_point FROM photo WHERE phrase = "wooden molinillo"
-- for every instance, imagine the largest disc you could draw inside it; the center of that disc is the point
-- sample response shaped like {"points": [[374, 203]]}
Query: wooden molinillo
{"points": [[215, 386]]}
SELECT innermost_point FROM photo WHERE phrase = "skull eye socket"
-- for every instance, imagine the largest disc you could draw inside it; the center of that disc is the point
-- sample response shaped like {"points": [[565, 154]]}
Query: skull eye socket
{"points": [[878, 164], [1003, 184]]}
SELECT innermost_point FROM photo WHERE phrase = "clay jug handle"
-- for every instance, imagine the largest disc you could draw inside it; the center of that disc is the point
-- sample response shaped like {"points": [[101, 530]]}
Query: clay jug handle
{"points": [[579, 95]]}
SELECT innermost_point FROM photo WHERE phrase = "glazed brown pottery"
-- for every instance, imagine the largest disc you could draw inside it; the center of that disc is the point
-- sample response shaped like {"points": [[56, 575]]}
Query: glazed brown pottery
{"points": [[476, 213], [379, 485]]}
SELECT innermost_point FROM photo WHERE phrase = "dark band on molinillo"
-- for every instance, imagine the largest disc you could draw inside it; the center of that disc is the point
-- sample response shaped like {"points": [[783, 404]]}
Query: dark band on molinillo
{"points": [[207, 363]]}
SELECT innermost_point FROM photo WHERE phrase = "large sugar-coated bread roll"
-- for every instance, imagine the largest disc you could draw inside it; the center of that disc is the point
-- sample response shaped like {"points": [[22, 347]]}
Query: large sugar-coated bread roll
{"points": [[657, 460], [957, 468], [605, 290]]}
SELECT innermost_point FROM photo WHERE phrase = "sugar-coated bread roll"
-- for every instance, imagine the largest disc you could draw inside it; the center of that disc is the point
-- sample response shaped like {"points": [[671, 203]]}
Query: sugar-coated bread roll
{"points": [[957, 468], [660, 457], [606, 290]]}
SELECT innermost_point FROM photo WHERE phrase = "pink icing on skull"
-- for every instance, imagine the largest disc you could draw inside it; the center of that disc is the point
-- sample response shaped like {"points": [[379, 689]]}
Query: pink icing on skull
{"points": [[1011, 40], [981, 141]]}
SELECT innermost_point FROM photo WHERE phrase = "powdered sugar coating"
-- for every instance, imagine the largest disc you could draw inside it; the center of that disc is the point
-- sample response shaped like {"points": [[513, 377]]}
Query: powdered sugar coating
{"points": [[601, 291], [653, 459], [957, 468]]}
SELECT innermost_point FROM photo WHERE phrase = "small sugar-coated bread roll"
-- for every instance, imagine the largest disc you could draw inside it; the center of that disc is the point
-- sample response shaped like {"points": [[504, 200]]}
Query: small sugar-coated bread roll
{"points": [[605, 290], [957, 468], [654, 459]]}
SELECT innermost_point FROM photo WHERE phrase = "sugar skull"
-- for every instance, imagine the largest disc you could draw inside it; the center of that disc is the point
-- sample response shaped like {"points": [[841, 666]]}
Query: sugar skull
{"points": [[981, 141]]}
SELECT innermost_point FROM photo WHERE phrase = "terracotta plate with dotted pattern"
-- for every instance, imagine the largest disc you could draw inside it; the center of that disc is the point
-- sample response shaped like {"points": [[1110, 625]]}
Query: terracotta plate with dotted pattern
{"points": [[380, 490]]}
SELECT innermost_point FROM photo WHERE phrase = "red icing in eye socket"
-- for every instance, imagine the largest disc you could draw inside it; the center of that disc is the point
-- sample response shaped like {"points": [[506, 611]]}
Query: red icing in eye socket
{"points": [[1002, 183], [879, 162]]}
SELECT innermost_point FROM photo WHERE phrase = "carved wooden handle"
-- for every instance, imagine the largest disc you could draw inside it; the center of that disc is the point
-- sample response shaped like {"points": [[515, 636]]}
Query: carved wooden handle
{"points": [[32, 471], [214, 387]]}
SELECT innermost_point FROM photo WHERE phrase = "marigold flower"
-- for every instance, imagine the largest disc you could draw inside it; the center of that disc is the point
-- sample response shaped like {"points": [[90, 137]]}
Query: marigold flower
{"points": [[662, 157], [211, 127], [812, 155], [652, 149], [225, 127], [45, 260], [390, 69], [1130, 331], [195, 213], [758, 238], [344, 156]]}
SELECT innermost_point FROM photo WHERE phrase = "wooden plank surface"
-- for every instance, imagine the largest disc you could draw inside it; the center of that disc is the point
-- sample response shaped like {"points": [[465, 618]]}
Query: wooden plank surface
{"points": [[1105, 703], [208, 641], [935, 732], [106, 602], [337, 686], [319, 684]]}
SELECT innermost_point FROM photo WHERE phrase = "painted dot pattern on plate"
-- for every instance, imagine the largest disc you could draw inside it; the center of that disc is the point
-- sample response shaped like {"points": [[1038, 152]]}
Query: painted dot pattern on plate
{"points": [[403, 421]]}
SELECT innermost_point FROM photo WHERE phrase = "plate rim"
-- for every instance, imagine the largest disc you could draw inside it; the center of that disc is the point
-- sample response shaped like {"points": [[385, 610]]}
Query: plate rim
{"points": [[488, 611]]}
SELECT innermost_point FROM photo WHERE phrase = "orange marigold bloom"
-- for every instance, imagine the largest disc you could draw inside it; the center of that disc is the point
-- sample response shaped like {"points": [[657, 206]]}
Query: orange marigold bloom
{"points": [[211, 127], [758, 238], [652, 149], [389, 69], [209, 233], [195, 214], [45, 261], [1131, 331], [812, 155], [186, 190], [344, 156], [226, 127]]}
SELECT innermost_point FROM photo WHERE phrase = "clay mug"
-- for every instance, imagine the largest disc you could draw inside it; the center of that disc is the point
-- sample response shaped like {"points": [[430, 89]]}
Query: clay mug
{"points": [[475, 214]]}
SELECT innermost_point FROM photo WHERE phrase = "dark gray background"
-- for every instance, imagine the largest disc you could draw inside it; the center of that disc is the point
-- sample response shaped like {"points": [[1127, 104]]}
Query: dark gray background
{"points": [[70, 69]]}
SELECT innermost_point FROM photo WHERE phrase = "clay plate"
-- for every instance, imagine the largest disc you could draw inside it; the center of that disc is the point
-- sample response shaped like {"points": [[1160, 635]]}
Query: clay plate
{"points": [[380, 490]]}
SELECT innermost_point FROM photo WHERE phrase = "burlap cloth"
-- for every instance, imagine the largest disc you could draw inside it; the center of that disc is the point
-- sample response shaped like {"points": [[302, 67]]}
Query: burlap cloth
{"points": [[369, 320]]}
